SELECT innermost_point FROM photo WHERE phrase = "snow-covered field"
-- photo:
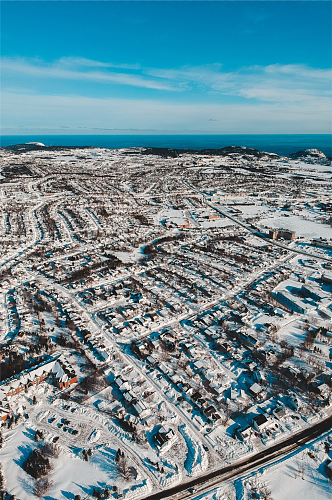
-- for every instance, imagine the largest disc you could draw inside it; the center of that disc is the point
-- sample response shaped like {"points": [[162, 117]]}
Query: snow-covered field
{"points": [[302, 476], [82, 476], [254, 210], [286, 481], [100, 471], [305, 228], [207, 224], [293, 331]]}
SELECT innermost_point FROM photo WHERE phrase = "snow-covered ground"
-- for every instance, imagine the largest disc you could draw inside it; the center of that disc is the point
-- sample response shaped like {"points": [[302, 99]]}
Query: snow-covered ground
{"points": [[82, 476], [207, 224], [185, 304], [300, 477], [254, 210], [100, 471], [305, 228]]}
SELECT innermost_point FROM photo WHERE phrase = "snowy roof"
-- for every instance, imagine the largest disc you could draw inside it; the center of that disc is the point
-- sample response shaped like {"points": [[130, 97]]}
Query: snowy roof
{"points": [[255, 389]]}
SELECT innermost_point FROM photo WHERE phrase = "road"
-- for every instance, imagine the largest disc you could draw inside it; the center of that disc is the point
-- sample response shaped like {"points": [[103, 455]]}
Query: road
{"points": [[206, 482], [131, 360], [85, 424], [254, 231]]}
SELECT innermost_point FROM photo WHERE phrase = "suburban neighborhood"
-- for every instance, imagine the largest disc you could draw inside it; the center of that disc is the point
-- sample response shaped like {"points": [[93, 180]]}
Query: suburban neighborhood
{"points": [[163, 314]]}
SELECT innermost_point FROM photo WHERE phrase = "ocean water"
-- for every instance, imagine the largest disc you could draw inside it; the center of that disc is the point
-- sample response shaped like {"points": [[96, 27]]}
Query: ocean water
{"points": [[280, 144]]}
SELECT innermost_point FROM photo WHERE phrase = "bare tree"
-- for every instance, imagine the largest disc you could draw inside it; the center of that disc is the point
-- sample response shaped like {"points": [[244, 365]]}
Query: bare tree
{"points": [[149, 397], [42, 486], [164, 353], [50, 450], [266, 493], [121, 460]]}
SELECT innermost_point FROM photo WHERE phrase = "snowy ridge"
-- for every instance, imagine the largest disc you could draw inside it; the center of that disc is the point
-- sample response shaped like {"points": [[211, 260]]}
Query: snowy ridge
{"points": [[197, 459], [138, 490]]}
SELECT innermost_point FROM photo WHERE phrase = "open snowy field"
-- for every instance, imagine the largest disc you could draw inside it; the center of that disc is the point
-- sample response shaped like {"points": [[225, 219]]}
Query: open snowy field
{"points": [[305, 228], [82, 474], [286, 482], [302, 476], [207, 224], [100, 471], [255, 210]]}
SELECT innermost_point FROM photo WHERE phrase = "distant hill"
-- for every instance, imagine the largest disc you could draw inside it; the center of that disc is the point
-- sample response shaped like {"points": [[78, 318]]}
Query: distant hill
{"points": [[311, 156], [309, 153], [38, 146], [226, 151]]}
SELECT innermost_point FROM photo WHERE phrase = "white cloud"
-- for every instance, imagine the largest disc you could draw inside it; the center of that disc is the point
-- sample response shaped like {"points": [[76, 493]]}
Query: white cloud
{"points": [[300, 71], [83, 62], [274, 99], [272, 83], [69, 71], [37, 112]]}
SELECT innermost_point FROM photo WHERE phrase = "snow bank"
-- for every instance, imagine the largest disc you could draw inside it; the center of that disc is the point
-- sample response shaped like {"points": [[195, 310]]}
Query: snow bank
{"points": [[197, 459], [138, 490]]}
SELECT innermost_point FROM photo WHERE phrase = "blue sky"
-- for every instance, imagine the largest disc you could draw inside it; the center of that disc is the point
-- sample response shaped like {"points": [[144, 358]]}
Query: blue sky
{"points": [[166, 67]]}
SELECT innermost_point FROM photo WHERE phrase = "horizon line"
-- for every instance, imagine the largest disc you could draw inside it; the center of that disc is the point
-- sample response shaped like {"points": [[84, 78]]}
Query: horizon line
{"points": [[163, 134]]}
